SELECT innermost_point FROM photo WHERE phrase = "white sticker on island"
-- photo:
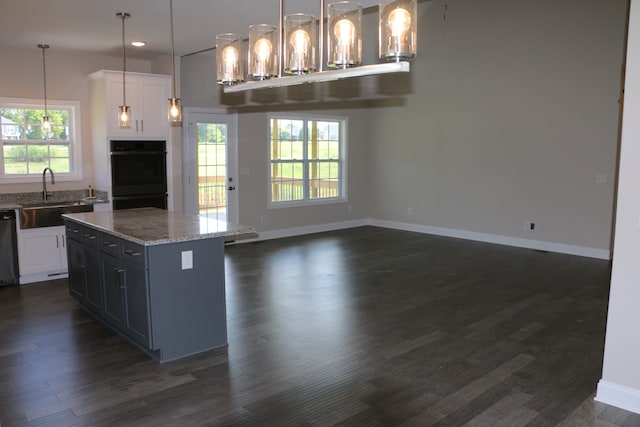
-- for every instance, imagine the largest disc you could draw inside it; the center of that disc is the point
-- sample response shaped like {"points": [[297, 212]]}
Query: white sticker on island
{"points": [[187, 260]]}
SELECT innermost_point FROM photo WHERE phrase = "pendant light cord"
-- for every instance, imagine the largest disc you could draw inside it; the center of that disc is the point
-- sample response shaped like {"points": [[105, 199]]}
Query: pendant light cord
{"points": [[281, 38], [320, 66], [124, 15], [44, 74], [173, 54]]}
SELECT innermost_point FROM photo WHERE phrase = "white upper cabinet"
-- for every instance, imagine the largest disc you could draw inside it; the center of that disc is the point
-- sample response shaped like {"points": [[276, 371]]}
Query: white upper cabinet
{"points": [[146, 95]]}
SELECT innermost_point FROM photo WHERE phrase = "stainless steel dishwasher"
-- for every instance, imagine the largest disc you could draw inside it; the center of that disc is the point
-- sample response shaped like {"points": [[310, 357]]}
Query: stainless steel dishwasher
{"points": [[8, 248]]}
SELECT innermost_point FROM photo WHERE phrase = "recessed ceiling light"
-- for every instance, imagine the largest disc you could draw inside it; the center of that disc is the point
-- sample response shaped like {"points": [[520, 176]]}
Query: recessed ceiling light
{"points": [[138, 44]]}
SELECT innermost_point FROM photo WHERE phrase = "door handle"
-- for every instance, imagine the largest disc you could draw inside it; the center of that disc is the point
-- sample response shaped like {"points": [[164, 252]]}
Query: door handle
{"points": [[231, 188], [120, 281]]}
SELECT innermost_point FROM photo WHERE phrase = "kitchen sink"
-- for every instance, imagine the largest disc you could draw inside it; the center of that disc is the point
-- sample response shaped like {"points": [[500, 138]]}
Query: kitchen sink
{"points": [[49, 214]]}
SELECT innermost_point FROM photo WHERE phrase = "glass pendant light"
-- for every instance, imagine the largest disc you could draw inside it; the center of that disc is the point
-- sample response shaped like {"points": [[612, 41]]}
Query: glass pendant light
{"points": [[124, 111], [175, 106], [398, 30], [228, 59], [263, 51], [46, 124], [300, 43], [344, 38]]}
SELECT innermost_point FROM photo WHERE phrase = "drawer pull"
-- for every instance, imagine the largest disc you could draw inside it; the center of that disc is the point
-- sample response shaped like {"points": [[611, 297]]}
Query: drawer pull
{"points": [[109, 244], [131, 252]]}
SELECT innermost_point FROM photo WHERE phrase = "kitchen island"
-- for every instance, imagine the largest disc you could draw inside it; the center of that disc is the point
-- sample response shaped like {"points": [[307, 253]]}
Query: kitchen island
{"points": [[155, 277]]}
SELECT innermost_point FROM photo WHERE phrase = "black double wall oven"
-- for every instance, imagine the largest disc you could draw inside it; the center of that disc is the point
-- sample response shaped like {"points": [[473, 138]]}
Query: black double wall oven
{"points": [[139, 174]]}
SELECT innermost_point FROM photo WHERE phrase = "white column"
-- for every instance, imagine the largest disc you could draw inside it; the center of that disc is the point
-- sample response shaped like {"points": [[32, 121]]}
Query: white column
{"points": [[620, 383]]}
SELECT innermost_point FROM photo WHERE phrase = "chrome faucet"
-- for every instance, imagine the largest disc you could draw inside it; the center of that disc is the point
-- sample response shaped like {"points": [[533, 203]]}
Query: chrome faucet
{"points": [[45, 195]]}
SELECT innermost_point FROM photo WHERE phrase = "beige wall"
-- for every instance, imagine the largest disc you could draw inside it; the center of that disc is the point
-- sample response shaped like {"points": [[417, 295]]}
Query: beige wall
{"points": [[198, 82], [510, 115]]}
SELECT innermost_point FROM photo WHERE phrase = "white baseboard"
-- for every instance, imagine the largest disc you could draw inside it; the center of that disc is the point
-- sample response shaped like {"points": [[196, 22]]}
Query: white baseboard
{"points": [[438, 231], [41, 277], [298, 231], [497, 239], [619, 396]]}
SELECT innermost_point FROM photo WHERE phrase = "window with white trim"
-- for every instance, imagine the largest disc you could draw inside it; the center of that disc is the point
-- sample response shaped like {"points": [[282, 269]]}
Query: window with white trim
{"points": [[27, 148], [307, 160]]}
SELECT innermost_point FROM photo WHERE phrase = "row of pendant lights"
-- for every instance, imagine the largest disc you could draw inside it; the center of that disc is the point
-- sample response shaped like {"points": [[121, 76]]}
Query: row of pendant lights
{"points": [[174, 113], [174, 109], [269, 56], [292, 50]]}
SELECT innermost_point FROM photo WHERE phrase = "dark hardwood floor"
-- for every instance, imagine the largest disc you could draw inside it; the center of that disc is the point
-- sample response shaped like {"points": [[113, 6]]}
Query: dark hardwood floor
{"points": [[362, 327]]}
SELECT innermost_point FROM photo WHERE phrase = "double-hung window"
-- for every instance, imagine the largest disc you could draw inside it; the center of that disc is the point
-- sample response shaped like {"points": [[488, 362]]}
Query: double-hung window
{"points": [[307, 160], [27, 148]]}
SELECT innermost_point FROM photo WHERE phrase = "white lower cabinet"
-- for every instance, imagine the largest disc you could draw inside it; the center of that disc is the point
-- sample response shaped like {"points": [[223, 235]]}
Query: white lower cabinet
{"points": [[42, 254]]}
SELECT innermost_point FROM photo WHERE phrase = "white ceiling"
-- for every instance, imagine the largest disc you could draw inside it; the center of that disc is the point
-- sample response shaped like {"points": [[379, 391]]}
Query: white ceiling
{"points": [[92, 25]]}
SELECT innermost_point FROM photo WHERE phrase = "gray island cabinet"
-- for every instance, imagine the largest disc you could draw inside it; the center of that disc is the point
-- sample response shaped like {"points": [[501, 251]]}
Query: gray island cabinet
{"points": [[155, 277]]}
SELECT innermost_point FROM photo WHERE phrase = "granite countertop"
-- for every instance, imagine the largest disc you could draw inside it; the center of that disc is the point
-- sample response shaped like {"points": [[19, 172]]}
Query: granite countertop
{"points": [[9, 206], [151, 226], [18, 200]]}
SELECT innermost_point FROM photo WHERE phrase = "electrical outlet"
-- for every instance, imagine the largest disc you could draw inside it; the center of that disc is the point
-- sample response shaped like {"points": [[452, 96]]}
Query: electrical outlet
{"points": [[409, 211], [349, 209], [263, 218], [601, 178], [187, 260]]}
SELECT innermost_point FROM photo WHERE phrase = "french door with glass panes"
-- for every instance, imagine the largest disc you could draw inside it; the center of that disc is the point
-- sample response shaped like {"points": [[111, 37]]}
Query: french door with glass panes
{"points": [[210, 165]]}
